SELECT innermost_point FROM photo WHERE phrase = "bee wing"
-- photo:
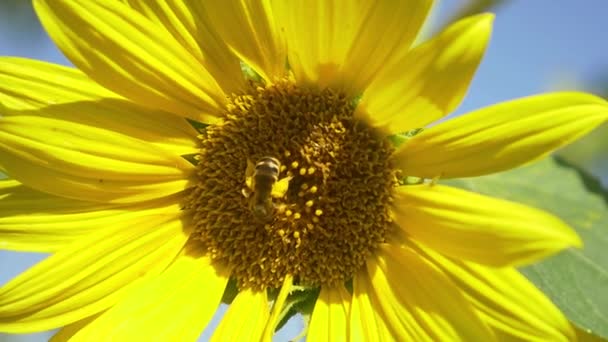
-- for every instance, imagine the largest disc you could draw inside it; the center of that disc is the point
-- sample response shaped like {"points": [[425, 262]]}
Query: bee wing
{"points": [[279, 189]]}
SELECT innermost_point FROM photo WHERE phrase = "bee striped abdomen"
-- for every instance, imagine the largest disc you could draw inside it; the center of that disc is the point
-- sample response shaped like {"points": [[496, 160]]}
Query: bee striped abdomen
{"points": [[265, 175]]}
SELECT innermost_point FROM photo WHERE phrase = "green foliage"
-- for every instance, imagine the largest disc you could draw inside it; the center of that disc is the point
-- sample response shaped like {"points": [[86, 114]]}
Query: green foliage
{"points": [[301, 300], [200, 127], [590, 152], [399, 139], [576, 280], [250, 74]]}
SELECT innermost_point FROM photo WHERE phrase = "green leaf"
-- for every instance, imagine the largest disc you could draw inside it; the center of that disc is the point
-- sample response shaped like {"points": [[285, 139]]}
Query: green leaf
{"points": [[576, 280], [589, 153], [300, 301]]}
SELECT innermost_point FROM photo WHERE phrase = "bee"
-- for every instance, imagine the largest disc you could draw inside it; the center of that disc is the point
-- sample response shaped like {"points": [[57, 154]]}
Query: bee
{"points": [[262, 180]]}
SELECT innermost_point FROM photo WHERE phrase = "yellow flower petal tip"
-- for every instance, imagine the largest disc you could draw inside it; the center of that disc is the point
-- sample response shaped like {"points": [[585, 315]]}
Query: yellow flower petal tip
{"points": [[478, 228], [502, 136], [430, 81]]}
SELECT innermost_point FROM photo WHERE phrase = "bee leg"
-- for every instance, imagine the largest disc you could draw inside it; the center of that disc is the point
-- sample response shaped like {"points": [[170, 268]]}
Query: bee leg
{"points": [[246, 192]]}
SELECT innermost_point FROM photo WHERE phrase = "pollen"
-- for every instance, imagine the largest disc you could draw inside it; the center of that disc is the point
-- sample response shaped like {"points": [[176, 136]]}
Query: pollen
{"points": [[335, 209]]}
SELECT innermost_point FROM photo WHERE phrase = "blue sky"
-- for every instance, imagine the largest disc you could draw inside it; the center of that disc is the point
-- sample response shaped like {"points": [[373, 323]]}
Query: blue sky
{"points": [[537, 46]]}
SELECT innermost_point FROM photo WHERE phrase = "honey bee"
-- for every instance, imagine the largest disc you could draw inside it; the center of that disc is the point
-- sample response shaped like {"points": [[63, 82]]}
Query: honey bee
{"points": [[262, 180]]}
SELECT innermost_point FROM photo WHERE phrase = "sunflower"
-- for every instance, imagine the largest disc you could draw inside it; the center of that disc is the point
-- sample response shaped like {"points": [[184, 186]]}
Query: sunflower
{"points": [[246, 151]]}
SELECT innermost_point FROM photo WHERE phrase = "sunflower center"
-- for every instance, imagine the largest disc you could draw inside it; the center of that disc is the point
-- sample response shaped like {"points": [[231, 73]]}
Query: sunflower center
{"points": [[291, 183]]}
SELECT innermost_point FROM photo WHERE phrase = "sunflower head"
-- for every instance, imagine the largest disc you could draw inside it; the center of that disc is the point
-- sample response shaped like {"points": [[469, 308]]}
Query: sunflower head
{"points": [[335, 209]]}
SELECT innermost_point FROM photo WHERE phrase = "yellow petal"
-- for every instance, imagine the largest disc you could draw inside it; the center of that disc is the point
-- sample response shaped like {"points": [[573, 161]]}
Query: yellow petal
{"points": [[90, 275], [251, 32], [245, 319], [85, 162], [507, 301], [329, 321], [277, 308], [385, 31], [479, 228], [29, 87], [27, 84], [188, 23], [124, 51], [66, 333], [367, 322], [35, 221], [502, 136], [419, 301], [176, 305], [430, 81], [319, 34]]}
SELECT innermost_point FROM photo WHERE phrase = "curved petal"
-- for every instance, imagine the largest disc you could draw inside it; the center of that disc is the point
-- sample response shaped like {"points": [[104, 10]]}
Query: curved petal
{"points": [[188, 23], [479, 228], [367, 322], [277, 308], [430, 81], [384, 32], [319, 34], [329, 321], [176, 305], [507, 301], [66, 333], [90, 275], [29, 87], [27, 84], [35, 221], [124, 51], [162, 130], [427, 306], [502, 136], [251, 32], [245, 319], [88, 163]]}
